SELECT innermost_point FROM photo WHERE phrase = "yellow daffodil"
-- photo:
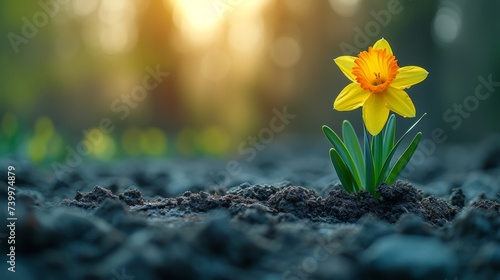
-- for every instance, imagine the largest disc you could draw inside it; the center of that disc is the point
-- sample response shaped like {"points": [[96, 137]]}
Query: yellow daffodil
{"points": [[377, 85]]}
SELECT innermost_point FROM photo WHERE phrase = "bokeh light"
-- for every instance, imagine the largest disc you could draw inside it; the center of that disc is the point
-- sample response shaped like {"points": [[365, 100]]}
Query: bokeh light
{"points": [[447, 23], [345, 8], [153, 142]]}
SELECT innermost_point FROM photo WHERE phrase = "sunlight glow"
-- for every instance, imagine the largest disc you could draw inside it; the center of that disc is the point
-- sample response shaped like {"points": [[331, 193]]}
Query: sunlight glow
{"points": [[118, 31], [246, 37], [196, 19], [200, 21], [84, 7], [345, 8]]}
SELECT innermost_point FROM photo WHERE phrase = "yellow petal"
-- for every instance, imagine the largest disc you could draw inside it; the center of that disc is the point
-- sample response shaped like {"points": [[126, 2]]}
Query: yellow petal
{"points": [[350, 98], [383, 44], [408, 76], [346, 63], [399, 102], [375, 113]]}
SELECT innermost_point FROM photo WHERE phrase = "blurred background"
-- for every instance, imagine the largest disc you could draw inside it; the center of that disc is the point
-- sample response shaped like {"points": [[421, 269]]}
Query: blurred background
{"points": [[177, 78]]}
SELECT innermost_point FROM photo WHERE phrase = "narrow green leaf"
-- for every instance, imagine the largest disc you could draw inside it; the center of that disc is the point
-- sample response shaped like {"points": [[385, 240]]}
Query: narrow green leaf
{"points": [[343, 172], [377, 151], [389, 135], [344, 154], [385, 168], [403, 160], [352, 144], [370, 178]]}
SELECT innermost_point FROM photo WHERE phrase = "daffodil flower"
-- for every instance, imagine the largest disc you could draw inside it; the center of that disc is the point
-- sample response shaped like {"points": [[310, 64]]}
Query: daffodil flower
{"points": [[378, 85]]}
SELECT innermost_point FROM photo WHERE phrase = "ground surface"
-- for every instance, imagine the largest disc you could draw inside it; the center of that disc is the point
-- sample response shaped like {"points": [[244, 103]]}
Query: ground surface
{"points": [[282, 216]]}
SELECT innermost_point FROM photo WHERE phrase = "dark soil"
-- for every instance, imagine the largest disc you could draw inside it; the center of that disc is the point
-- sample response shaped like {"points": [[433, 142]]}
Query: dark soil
{"points": [[174, 220], [338, 207]]}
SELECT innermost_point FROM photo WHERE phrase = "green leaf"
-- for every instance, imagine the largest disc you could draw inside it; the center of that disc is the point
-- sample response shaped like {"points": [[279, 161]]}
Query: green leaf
{"points": [[370, 176], [352, 144], [377, 151], [344, 154], [389, 135], [403, 160], [345, 175], [385, 169]]}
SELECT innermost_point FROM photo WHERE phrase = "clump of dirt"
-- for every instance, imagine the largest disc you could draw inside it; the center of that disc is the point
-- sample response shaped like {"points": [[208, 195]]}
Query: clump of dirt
{"points": [[131, 197], [437, 210], [91, 199], [401, 192], [99, 194], [258, 192], [199, 202], [486, 204], [299, 201], [395, 201]]}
